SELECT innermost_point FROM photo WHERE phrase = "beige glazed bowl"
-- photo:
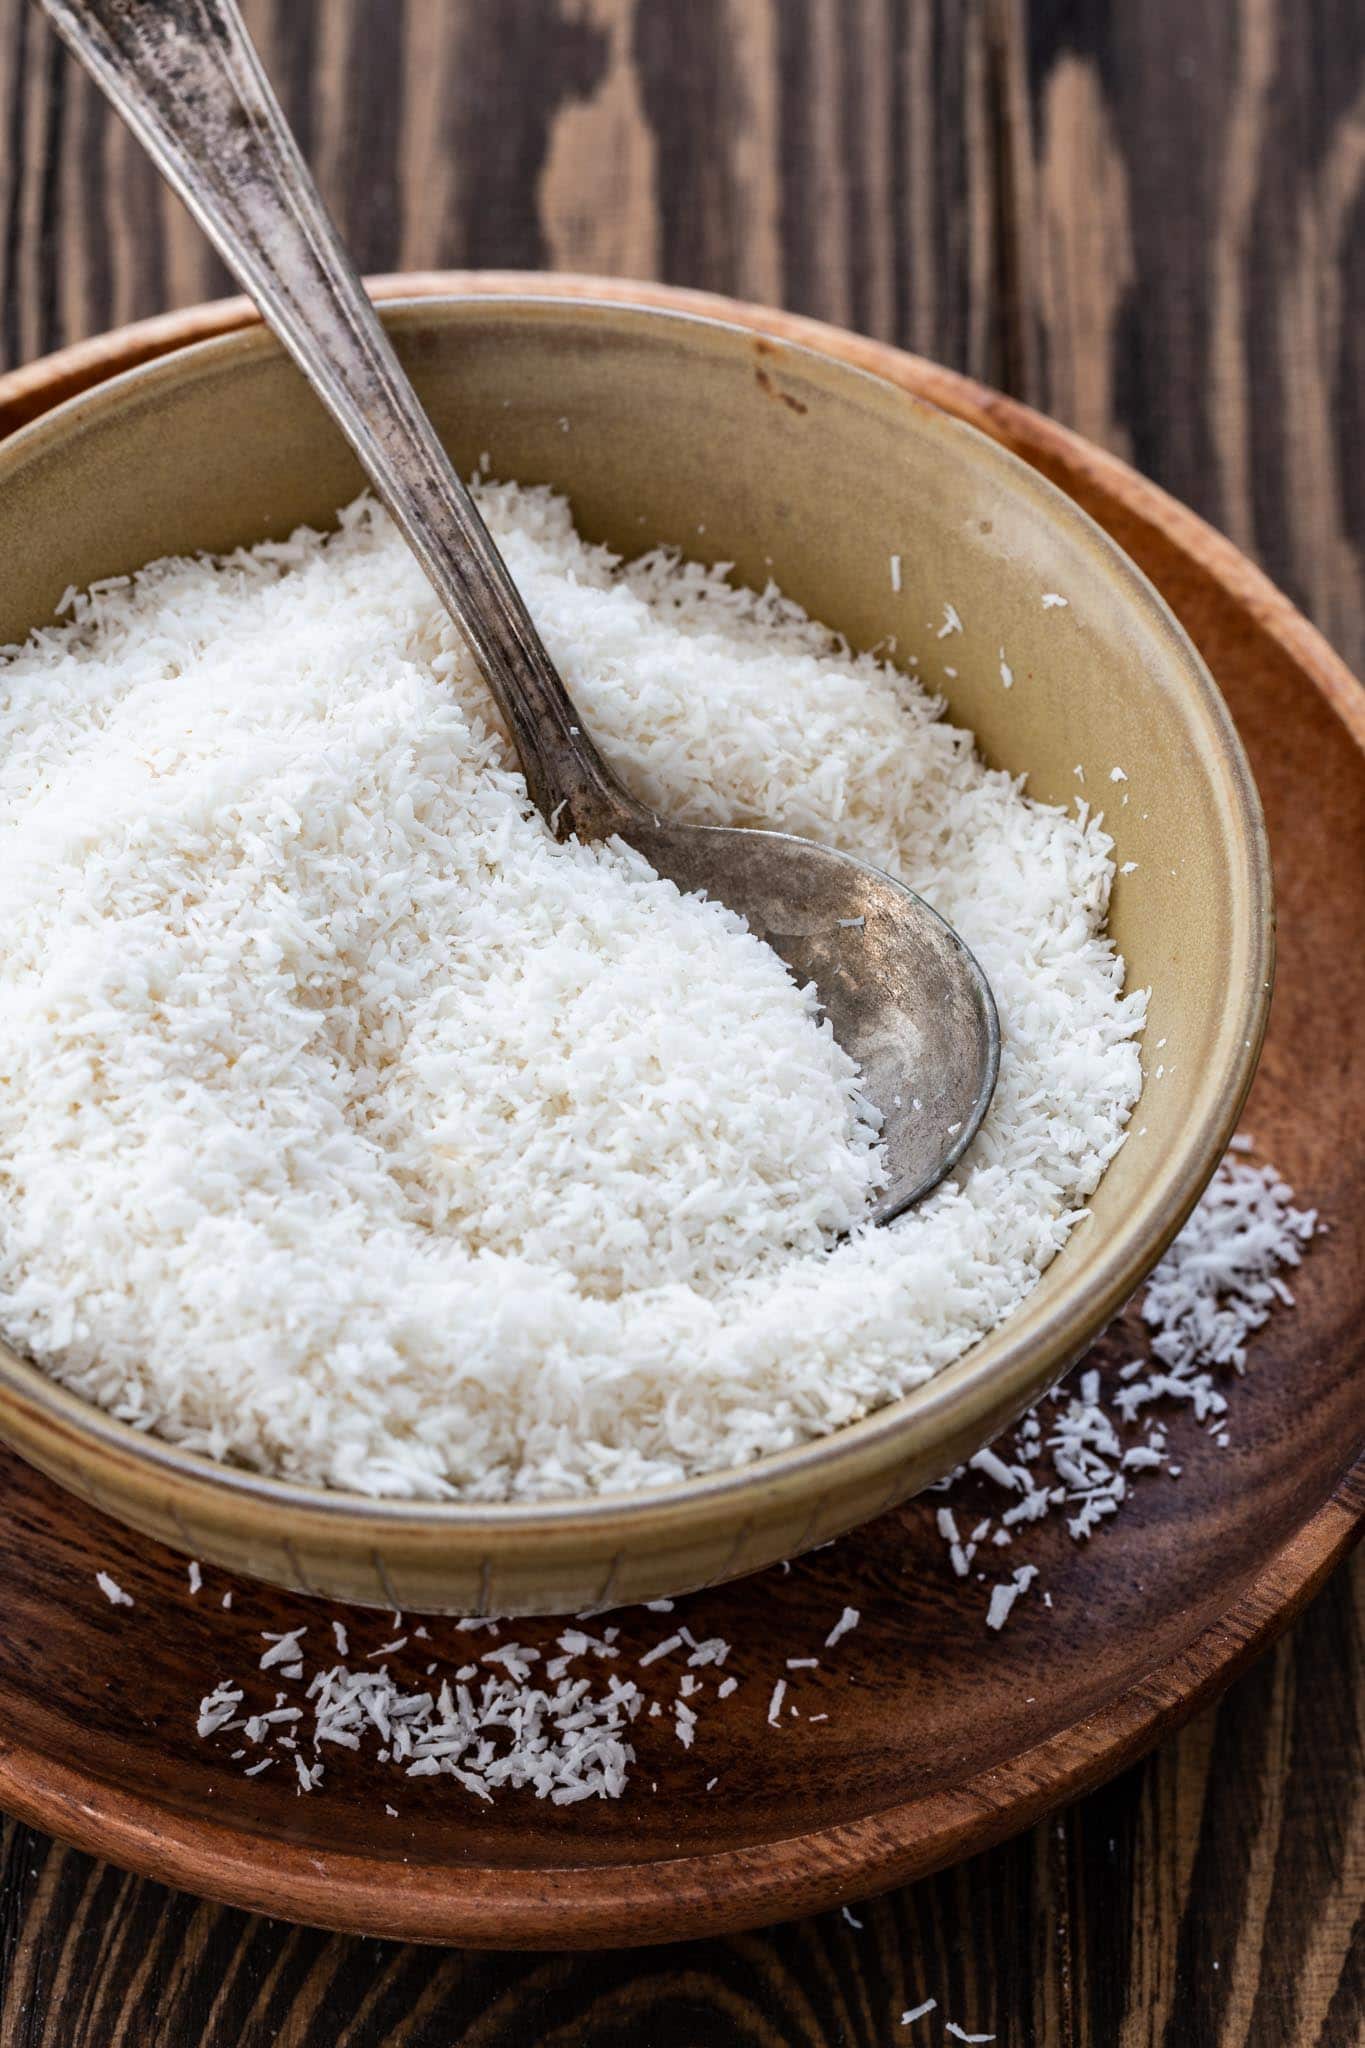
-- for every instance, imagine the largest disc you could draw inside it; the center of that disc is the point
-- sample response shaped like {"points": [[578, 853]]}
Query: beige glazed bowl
{"points": [[665, 427]]}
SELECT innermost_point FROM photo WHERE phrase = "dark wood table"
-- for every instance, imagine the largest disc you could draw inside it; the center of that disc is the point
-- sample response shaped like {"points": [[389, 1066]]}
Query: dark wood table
{"points": [[1144, 216]]}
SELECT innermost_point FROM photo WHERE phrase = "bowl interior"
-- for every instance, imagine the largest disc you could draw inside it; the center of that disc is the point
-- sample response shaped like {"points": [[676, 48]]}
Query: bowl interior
{"points": [[790, 465]]}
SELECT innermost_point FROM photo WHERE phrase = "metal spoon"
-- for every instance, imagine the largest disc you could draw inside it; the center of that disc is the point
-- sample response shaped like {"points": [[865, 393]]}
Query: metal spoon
{"points": [[904, 996]]}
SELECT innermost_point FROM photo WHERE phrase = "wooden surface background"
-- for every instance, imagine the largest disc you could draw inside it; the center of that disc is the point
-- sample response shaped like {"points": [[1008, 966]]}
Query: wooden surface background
{"points": [[1145, 216]]}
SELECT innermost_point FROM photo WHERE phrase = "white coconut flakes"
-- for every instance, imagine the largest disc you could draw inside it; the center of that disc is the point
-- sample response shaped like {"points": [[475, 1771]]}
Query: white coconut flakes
{"points": [[352, 1129]]}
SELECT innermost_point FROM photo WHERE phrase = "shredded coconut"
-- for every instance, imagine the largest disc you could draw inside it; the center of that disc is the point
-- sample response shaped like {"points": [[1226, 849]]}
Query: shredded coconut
{"points": [[849, 1619], [1080, 1454], [284, 1649], [1006, 1592], [566, 1742], [356, 1131]]}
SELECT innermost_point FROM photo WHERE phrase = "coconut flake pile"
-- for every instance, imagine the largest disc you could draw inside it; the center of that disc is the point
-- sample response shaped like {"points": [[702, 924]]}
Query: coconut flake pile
{"points": [[353, 1130]]}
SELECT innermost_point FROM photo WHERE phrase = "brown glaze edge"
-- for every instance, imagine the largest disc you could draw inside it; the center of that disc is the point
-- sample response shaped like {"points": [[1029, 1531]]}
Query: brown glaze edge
{"points": [[737, 1888]]}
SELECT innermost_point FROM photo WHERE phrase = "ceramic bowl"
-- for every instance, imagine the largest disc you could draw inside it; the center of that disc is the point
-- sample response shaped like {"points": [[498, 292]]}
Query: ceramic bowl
{"points": [[784, 461]]}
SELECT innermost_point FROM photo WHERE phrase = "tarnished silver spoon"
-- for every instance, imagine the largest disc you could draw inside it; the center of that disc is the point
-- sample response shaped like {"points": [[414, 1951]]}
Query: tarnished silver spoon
{"points": [[904, 996]]}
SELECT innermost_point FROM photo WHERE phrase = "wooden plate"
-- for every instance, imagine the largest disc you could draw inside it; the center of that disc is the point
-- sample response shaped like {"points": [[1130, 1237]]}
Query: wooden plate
{"points": [[940, 1738]]}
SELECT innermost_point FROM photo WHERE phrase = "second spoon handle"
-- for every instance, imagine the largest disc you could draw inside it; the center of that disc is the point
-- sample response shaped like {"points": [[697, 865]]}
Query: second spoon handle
{"points": [[186, 78]]}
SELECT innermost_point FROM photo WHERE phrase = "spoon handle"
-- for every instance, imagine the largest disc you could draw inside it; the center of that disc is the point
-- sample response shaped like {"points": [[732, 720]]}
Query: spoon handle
{"points": [[186, 78]]}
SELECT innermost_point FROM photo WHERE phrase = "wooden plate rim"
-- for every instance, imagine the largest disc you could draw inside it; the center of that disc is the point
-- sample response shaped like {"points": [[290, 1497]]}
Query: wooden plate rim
{"points": [[695, 1895]]}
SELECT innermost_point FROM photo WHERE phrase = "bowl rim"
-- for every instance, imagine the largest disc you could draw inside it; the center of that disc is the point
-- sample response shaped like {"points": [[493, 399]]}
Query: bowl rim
{"points": [[948, 1403]]}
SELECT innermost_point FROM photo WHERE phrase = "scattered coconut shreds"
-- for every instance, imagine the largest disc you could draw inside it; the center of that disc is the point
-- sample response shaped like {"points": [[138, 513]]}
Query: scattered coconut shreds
{"points": [[951, 2027], [1006, 1592], [663, 1649], [993, 1465], [1052, 598], [1006, 672], [112, 1590], [951, 622], [918, 2012], [714, 1650], [217, 1709], [847, 1620], [554, 1718], [284, 1649], [196, 1577], [1080, 1454], [564, 1742], [896, 573]]}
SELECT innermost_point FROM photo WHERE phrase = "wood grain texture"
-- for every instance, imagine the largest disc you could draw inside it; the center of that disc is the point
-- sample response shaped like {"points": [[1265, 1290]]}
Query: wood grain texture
{"points": [[1150, 221]]}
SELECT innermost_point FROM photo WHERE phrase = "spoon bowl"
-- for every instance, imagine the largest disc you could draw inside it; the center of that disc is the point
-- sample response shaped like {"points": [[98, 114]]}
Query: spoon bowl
{"points": [[905, 998]]}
